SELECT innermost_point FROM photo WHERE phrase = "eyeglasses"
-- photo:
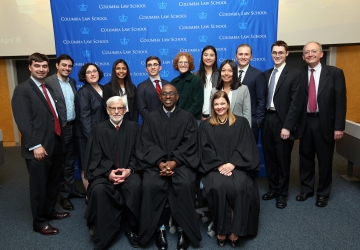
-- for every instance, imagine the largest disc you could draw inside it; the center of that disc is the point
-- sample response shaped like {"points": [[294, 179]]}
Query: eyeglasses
{"points": [[310, 52], [152, 65], [185, 63], [165, 94], [280, 53], [93, 71], [113, 109]]}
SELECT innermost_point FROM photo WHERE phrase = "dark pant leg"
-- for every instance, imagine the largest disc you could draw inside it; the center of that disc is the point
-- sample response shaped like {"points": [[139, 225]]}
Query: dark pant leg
{"points": [[67, 185]]}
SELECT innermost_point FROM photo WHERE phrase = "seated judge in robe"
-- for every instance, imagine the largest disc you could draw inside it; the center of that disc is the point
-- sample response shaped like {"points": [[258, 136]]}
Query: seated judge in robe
{"points": [[229, 162], [169, 158], [111, 169]]}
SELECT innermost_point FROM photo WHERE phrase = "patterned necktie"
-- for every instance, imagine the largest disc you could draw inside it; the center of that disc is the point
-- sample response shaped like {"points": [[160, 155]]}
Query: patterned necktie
{"points": [[240, 74], [157, 87], [312, 93], [271, 89], [168, 114], [56, 119]]}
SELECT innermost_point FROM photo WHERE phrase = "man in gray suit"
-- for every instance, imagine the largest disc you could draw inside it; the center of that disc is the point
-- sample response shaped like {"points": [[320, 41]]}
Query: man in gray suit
{"points": [[64, 94]]}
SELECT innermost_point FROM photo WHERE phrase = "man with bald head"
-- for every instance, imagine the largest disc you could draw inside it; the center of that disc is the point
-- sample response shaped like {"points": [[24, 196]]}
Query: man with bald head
{"points": [[169, 159], [322, 122]]}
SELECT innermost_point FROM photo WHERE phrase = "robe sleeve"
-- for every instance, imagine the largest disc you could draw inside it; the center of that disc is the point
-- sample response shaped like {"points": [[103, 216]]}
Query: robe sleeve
{"points": [[95, 164], [246, 156], [210, 160], [187, 152]]}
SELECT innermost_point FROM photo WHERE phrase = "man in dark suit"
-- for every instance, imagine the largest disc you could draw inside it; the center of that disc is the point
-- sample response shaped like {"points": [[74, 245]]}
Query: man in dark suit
{"points": [[41, 145], [322, 122], [64, 89], [255, 80], [280, 124], [148, 91]]}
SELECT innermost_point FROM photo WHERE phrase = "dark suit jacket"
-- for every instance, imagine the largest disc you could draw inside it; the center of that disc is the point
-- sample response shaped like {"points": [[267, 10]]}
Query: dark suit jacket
{"points": [[132, 113], [255, 80], [90, 110], [331, 99], [33, 117], [54, 83], [147, 97], [286, 99]]}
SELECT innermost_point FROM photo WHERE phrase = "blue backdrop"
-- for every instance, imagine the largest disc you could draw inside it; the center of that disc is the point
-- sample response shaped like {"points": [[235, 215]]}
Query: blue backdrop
{"points": [[103, 31]]}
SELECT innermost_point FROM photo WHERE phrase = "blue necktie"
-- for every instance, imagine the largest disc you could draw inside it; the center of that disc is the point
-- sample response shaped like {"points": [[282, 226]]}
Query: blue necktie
{"points": [[168, 114], [271, 89]]}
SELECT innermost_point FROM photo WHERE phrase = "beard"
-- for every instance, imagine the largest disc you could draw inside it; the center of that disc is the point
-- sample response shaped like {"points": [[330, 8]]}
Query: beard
{"points": [[116, 119]]}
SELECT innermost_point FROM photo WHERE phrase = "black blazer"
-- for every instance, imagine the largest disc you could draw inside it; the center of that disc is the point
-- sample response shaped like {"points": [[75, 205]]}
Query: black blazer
{"points": [[33, 117], [90, 110], [132, 113], [331, 99], [286, 99], [255, 80], [147, 97], [54, 83]]}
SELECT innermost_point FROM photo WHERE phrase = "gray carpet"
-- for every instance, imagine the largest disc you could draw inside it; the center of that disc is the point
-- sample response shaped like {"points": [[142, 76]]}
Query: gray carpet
{"points": [[301, 225]]}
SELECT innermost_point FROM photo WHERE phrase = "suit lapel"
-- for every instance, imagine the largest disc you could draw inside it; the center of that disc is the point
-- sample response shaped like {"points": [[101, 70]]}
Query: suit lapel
{"points": [[324, 77], [72, 84], [235, 94], [281, 78], [95, 93], [151, 86], [58, 87], [247, 75], [39, 94]]}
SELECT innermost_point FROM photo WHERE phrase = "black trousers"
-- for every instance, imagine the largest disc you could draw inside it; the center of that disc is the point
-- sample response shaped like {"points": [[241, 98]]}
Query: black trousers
{"points": [[44, 185], [313, 143], [67, 184], [277, 154]]}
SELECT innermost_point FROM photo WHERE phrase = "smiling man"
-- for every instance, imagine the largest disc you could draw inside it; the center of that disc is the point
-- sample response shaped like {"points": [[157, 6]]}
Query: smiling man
{"points": [[64, 92], [169, 159], [280, 124], [148, 91], [255, 81]]}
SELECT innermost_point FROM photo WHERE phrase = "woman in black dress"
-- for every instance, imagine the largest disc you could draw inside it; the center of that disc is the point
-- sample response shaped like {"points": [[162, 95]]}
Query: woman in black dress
{"points": [[229, 161]]}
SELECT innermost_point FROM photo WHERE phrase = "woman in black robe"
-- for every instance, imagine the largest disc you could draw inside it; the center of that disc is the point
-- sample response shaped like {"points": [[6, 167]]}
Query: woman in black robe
{"points": [[229, 161]]}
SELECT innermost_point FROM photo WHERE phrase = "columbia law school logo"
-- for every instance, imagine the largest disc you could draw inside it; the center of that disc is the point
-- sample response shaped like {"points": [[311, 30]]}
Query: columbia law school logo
{"points": [[243, 26], [123, 18], [83, 7], [162, 5], [163, 51], [86, 53], [124, 41], [164, 73], [85, 31], [243, 2], [203, 38], [202, 15], [163, 28]]}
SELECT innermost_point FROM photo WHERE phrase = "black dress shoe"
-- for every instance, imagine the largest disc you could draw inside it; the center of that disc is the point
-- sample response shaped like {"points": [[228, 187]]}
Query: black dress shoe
{"points": [[182, 243], [321, 201], [269, 195], [234, 243], [66, 204], [304, 196], [77, 194], [60, 216], [132, 238], [281, 201], [221, 243], [161, 242], [47, 230]]}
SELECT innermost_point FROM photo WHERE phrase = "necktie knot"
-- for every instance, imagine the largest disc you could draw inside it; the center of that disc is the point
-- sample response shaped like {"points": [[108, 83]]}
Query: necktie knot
{"points": [[117, 127], [312, 70], [168, 114]]}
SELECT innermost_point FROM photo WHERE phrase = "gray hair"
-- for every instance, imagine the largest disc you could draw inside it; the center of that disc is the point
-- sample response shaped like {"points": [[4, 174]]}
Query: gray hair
{"points": [[116, 98]]}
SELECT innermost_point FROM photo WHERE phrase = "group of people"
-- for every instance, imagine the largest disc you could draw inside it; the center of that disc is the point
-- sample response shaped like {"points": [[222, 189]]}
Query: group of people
{"points": [[203, 124]]}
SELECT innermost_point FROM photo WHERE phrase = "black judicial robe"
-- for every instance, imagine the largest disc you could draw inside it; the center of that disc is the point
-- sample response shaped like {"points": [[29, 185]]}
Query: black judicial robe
{"points": [[107, 201], [239, 192], [163, 139]]}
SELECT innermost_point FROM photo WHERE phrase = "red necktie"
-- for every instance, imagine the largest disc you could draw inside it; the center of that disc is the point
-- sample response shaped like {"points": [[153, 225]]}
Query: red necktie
{"points": [[157, 87], [312, 93], [56, 119], [117, 127]]}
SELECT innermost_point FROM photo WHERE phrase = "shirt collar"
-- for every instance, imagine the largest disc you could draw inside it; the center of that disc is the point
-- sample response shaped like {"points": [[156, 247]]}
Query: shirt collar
{"points": [[166, 111]]}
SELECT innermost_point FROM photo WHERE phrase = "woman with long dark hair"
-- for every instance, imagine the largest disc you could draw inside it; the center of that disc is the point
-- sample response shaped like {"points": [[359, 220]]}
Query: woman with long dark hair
{"points": [[209, 76], [121, 85], [239, 96]]}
